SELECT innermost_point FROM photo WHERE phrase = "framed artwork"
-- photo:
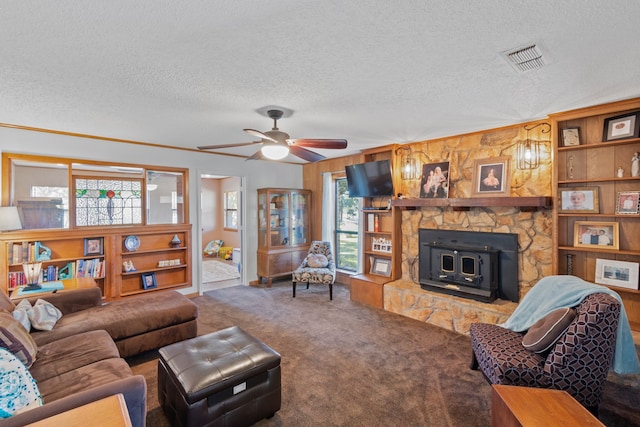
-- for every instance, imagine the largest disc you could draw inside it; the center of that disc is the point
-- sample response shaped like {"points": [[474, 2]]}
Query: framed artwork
{"points": [[621, 127], [381, 266], [149, 280], [628, 203], [491, 177], [570, 137], [617, 273], [94, 246], [596, 235], [579, 200], [435, 180]]}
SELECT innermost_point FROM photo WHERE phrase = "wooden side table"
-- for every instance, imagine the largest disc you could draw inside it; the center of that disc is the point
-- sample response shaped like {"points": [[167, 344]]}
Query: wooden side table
{"points": [[513, 406], [108, 412], [69, 284]]}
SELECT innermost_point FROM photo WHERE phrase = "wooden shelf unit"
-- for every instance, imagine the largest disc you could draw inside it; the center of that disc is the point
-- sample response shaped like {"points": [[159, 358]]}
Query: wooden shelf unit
{"points": [[67, 246], [594, 163]]}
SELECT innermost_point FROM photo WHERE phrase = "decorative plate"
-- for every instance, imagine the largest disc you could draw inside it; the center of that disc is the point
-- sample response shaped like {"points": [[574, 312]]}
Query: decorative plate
{"points": [[132, 243]]}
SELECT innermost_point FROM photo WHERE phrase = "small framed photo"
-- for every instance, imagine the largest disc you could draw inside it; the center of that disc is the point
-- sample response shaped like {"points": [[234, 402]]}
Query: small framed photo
{"points": [[435, 181], [94, 246], [617, 273], [149, 281], [491, 177], [579, 200], [570, 137], [381, 266], [628, 203], [621, 127], [596, 235]]}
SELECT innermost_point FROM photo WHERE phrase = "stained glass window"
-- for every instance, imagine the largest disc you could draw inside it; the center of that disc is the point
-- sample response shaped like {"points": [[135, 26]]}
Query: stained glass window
{"points": [[108, 201]]}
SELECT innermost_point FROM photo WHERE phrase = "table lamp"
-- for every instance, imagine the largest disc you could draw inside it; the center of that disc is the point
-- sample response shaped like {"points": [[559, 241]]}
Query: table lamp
{"points": [[9, 218]]}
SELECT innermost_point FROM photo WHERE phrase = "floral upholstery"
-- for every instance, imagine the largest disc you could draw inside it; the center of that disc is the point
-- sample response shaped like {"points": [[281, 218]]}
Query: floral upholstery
{"points": [[323, 275], [213, 248], [578, 363]]}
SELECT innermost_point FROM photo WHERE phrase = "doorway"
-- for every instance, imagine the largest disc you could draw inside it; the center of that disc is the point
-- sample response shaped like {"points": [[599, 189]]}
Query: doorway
{"points": [[221, 231]]}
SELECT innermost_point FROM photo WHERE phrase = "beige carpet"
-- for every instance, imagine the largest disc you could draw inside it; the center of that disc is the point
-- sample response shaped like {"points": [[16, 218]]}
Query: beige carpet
{"points": [[214, 270]]}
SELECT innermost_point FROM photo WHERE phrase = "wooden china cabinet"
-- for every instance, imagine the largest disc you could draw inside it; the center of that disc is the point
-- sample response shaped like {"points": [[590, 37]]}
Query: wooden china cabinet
{"points": [[284, 231]]}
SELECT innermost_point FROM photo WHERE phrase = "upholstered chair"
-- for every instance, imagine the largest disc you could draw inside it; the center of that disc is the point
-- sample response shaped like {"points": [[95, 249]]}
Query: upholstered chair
{"points": [[317, 267], [578, 362]]}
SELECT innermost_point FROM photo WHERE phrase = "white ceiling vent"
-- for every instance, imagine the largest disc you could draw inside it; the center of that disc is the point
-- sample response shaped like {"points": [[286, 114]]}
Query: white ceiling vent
{"points": [[525, 58]]}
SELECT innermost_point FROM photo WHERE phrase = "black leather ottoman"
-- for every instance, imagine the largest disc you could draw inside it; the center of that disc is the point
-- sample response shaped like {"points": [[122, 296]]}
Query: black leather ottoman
{"points": [[226, 378]]}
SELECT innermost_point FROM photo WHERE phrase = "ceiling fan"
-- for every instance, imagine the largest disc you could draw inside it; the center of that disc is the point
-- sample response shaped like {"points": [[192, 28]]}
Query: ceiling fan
{"points": [[277, 144]]}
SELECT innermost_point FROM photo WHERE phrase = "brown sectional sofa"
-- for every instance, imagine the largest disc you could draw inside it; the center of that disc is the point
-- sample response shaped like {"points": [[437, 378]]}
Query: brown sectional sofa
{"points": [[82, 358]]}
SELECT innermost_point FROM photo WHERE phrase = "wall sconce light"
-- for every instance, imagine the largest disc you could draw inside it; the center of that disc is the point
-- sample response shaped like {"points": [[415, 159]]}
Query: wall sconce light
{"points": [[9, 218], [529, 149], [409, 168]]}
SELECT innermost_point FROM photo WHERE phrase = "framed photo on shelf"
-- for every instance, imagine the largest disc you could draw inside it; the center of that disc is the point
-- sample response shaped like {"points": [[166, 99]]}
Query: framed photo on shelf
{"points": [[149, 281], [435, 181], [579, 200], [570, 137], [596, 235], [491, 177], [617, 273], [628, 203], [94, 246], [624, 126], [381, 266]]}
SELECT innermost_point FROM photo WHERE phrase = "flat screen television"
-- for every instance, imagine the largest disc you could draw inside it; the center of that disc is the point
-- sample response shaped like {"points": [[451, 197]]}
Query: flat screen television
{"points": [[370, 179]]}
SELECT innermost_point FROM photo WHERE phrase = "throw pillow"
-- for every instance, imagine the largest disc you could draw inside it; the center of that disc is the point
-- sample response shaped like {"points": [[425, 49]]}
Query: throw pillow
{"points": [[546, 331], [44, 315], [18, 389], [21, 313], [317, 261], [14, 338]]}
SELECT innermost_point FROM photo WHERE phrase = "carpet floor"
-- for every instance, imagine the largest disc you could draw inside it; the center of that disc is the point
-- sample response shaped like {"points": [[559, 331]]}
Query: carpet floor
{"points": [[346, 364]]}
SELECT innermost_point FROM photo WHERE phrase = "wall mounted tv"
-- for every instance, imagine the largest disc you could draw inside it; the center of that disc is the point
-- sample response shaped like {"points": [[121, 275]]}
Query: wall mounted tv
{"points": [[371, 179]]}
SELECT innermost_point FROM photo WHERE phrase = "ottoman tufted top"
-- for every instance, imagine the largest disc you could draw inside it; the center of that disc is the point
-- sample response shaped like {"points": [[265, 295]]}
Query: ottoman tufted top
{"points": [[213, 362]]}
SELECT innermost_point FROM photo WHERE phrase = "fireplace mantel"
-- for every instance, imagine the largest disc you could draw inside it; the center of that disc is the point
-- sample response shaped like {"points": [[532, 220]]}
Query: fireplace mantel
{"points": [[467, 203]]}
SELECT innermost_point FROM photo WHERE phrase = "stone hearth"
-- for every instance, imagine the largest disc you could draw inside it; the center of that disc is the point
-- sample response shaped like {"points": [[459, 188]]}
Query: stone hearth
{"points": [[449, 312]]}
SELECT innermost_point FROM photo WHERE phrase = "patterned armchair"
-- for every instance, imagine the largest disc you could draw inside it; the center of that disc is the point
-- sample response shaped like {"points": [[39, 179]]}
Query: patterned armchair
{"points": [[317, 267], [577, 363]]}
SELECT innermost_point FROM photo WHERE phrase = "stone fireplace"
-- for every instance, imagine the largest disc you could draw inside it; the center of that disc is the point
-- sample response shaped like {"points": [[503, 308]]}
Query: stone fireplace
{"points": [[477, 265]]}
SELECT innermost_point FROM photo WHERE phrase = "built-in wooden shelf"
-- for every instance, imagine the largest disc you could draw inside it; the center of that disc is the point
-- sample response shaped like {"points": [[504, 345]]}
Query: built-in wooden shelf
{"points": [[521, 202]]}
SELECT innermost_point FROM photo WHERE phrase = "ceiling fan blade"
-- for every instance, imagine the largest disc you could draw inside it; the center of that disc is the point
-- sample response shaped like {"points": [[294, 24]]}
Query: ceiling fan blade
{"points": [[305, 154], [319, 143], [259, 134], [257, 156], [215, 147]]}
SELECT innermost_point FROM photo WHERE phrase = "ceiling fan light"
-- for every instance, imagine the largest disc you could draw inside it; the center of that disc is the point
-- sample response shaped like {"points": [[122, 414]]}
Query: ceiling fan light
{"points": [[275, 151]]}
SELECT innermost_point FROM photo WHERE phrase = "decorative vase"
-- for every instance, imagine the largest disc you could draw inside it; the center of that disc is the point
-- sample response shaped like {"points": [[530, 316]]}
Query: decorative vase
{"points": [[175, 242]]}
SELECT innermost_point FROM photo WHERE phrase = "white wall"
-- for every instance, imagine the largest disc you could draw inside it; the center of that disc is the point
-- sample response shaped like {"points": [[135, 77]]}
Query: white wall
{"points": [[259, 174]]}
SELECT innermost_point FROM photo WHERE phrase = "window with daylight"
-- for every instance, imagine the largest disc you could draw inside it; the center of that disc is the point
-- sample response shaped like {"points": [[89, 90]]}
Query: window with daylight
{"points": [[231, 210], [347, 219]]}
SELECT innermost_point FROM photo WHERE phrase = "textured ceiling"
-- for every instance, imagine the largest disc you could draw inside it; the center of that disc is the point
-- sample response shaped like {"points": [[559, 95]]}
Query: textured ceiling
{"points": [[189, 73]]}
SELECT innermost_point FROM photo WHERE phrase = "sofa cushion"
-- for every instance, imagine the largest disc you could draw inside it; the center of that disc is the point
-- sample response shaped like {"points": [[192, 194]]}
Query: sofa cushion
{"points": [[83, 378], [21, 314], [546, 331], [16, 339], [44, 315], [18, 390], [6, 303], [73, 352], [125, 318]]}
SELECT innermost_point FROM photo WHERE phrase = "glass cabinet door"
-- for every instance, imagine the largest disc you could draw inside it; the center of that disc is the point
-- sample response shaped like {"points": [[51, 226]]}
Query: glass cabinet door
{"points": [[279, 220], [299, 218], [262, 219]]}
